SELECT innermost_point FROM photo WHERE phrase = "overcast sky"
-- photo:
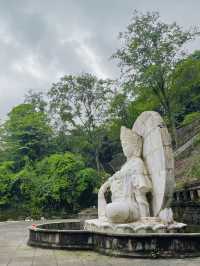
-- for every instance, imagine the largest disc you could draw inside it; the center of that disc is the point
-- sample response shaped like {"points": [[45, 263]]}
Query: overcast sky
{"points": [[41, 40]]}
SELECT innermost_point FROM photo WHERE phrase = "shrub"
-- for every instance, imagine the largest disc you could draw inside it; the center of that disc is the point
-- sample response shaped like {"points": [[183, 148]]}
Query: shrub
{"points": [[64, 183], [190, 118]]}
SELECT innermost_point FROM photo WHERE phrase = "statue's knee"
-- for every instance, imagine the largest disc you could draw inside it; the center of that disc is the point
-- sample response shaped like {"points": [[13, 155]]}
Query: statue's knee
{"points": [[117, 212], [121, 212]]}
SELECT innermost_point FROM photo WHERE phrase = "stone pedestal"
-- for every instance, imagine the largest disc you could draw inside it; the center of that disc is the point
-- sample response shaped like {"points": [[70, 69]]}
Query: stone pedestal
{"points": [[145, 225]]}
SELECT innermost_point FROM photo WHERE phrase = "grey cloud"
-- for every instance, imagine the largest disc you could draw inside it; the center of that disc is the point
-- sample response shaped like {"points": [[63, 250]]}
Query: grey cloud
{"points": [[42, 40]]}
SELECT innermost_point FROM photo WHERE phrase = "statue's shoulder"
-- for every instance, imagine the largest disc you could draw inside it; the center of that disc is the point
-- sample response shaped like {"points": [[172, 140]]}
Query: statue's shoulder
{"points": [[115, 176]]}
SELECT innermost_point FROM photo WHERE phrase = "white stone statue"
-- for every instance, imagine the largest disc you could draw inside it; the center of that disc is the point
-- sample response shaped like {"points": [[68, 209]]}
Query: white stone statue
{"points": [[149, 169], [128, 186]]}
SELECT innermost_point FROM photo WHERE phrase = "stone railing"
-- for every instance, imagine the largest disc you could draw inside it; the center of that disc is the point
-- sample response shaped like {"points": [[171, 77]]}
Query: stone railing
{"points": [[186, 204], [189, 193]]}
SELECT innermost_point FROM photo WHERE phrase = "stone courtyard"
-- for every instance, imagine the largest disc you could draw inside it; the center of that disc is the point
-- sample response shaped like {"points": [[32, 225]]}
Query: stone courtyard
{"points": [[15, 252]]}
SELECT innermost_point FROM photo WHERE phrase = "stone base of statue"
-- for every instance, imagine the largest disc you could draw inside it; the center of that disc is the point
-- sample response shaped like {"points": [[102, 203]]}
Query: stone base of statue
{"points": [[144, 225]]}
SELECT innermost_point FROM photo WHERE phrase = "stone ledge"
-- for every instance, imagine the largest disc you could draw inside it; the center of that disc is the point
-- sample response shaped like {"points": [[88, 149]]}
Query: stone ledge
{"points": [[146, 225], [152, 245]]}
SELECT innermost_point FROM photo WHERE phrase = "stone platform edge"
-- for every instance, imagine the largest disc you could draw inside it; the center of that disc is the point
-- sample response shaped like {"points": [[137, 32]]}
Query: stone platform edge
{"points": [[151, 245]]}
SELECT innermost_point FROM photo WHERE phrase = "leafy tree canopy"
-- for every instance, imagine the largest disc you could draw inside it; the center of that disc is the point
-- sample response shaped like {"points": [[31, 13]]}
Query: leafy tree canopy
{"points": [[65, 182], [81, 103], [80, 100], [26, 134]]}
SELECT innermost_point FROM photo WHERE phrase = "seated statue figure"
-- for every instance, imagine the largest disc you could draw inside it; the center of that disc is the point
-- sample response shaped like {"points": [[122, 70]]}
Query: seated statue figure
{"points": [[128, 186], [149, 168]]}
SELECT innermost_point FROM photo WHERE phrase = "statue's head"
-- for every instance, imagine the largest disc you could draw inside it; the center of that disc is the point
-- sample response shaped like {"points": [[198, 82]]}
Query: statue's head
{"points": [[131, 142]]}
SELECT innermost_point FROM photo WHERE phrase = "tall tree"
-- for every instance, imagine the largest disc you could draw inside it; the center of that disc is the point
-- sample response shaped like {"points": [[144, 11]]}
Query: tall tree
{"points": [[150, 50], [81, 102], [26, 134]]}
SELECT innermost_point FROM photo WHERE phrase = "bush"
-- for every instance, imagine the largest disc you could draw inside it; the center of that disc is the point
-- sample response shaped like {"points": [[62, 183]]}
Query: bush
{"points": [[58, 185], [188, 119], [5, 183], [64, 183], [16, 190]]}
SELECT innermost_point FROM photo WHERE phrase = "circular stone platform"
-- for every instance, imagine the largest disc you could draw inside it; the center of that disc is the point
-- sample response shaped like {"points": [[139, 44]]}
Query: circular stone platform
{"points": [[70, 235]]}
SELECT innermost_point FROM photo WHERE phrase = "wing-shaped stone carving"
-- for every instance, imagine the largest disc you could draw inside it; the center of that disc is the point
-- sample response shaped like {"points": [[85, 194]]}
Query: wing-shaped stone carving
{"points": [[158, 156]]}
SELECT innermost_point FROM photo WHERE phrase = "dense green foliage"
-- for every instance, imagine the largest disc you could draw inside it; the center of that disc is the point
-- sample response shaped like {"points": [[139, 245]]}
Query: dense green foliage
{"points": [[186, 86], [58, 184], [56, 149], [32, 180], [65, 182], [26, 135], [189, 118]]}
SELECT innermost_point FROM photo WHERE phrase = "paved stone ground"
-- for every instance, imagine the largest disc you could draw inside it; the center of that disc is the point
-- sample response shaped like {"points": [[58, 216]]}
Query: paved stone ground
{"points": [[15, 252]]}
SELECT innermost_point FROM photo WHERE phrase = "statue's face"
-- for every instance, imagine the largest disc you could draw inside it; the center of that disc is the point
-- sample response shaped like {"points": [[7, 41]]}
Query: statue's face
{"points": [[131, 142], [128, 149]]}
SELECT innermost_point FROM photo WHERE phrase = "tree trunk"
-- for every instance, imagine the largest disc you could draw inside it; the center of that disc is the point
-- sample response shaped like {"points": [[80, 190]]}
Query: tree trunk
{"points": [[97, 160], [172, 124], [165, 102]]}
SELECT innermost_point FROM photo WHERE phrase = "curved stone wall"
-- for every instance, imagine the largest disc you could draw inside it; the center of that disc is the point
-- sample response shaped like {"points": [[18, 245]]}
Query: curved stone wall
{"points": [[125, 245]]}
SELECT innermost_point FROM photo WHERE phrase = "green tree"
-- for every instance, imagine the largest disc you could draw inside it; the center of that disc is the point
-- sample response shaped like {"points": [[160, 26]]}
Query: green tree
{"points": [[81, 103], [5, 184], [22, 190], [124, 111], [150, 51], [26, 135], [186, 81], [65, 183]]}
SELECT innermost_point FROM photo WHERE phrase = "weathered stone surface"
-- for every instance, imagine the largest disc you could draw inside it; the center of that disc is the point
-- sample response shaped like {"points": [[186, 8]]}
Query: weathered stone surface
{"points": [[158, 155], [128, 186]]}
